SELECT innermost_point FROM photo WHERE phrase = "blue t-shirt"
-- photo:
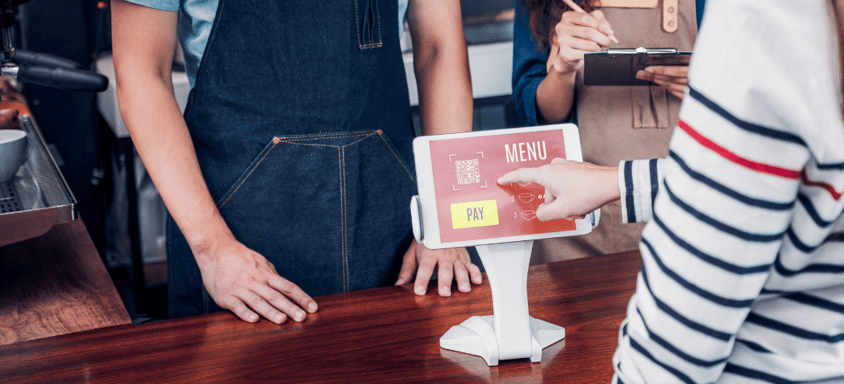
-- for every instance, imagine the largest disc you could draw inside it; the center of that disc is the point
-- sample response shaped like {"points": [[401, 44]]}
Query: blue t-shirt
{"points": [[196, 17]]}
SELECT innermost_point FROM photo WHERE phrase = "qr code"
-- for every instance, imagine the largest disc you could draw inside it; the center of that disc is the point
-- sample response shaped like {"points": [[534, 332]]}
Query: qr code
{"points": [[467, 171]]}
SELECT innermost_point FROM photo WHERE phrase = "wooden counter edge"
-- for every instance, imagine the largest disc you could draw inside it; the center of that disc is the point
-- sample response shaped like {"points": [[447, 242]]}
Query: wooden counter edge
{"points": [[56, 284]]}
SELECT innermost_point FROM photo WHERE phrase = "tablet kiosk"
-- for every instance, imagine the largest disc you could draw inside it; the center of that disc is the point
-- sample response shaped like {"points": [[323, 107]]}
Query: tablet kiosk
{"points": [[461, 204], [460, 200]]}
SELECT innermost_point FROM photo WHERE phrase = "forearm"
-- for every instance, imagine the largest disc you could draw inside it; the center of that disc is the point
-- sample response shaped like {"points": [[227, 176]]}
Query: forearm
{"points": [[445, 89], [555, 96], [162, 140], [144, 41], [441, 66]]}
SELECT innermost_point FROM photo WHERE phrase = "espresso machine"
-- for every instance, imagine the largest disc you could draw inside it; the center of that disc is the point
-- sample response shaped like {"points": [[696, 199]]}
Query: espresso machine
{"points": [[38, 196]]}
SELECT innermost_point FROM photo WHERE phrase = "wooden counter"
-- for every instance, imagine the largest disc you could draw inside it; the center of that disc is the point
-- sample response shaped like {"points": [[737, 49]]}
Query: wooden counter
{"points": [[374, 336], [55, 284]]}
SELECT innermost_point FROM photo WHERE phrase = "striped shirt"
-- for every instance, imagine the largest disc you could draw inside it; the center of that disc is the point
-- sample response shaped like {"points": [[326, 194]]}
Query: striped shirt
{"points": [[742, 277]]}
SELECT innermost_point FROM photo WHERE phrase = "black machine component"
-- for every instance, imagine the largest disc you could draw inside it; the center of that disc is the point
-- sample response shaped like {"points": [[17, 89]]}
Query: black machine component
{"points": [[42, 69]]}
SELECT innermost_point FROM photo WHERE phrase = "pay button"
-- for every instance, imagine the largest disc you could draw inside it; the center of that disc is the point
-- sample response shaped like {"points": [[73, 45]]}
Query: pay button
{"points": [[474, 214]]}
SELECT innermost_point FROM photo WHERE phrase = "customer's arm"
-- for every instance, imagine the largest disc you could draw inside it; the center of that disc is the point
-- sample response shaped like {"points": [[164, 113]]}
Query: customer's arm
{"points": [[441, 64], [573, 189], [144, 42]]}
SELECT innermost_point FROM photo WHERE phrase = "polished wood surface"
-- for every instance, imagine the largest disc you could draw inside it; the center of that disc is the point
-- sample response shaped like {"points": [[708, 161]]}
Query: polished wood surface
{"points": [[55, 284], [380, 335]]}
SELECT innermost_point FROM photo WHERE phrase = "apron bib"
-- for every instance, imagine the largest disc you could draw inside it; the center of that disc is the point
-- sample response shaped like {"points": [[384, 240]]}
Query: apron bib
{"points": [[624, 123], [301, 124]]}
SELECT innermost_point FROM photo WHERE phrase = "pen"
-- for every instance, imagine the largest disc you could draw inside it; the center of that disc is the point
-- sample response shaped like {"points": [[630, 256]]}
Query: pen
{"points": [[555, 49]]}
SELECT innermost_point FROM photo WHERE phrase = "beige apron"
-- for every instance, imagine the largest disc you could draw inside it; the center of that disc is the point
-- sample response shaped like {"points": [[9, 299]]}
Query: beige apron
{"points": [[623, 123]]}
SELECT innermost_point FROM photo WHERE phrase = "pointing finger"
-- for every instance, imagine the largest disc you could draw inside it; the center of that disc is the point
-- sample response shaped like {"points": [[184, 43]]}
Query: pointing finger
{"points": [[521, 175]]}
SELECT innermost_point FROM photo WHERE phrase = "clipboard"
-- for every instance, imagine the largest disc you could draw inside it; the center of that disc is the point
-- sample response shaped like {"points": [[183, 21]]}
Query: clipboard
{"points": [[619, 66]]}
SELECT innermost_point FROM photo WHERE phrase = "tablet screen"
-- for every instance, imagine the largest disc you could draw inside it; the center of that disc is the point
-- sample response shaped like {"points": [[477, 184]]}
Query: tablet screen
{"points": [[470, 204]]}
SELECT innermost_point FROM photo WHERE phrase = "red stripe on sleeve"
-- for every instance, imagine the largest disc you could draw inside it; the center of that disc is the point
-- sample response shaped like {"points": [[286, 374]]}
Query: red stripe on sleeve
{"points": [[749, 164], [835, 194]]}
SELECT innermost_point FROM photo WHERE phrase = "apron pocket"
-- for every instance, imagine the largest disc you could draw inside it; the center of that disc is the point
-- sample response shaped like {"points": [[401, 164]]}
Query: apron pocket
{"points": [[650, 106], [330, 211]]}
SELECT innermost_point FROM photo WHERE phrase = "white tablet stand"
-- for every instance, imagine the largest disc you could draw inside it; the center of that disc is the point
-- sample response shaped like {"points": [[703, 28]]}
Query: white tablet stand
{"points": [[510, 333]]}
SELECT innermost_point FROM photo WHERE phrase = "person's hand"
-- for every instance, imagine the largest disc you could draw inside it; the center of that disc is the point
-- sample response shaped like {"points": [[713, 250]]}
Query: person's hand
{"points": [[674, 78], [572, 189], [454, 263], [244, 282], [576, 34]]}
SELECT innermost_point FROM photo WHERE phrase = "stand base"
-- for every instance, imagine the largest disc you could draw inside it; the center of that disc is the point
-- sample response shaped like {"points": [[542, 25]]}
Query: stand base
{"points": [[476, 336]]}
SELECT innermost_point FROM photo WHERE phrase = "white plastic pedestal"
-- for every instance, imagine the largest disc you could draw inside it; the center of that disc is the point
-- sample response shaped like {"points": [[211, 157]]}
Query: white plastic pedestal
{"points": [[510, 333]]}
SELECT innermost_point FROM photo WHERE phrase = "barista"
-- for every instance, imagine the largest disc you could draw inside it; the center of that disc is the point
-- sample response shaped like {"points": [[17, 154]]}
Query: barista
{"points": [[615, 122], [291, 171]]}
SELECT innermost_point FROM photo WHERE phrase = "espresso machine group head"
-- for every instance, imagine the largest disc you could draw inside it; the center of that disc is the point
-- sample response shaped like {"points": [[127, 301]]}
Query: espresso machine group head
{"points": [[40, 68], [8, 10]]}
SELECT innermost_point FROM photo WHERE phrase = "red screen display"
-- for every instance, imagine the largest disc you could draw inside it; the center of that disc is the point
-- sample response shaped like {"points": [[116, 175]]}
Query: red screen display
{"points": [[470, 203]]}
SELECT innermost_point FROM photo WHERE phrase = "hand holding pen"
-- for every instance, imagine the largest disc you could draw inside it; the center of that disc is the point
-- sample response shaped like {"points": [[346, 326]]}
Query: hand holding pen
{"points": [[578, 32]]}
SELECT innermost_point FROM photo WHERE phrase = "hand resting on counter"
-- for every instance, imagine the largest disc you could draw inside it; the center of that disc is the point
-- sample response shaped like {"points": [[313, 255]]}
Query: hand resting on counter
{"points": [[244, 282], [454, 264]]}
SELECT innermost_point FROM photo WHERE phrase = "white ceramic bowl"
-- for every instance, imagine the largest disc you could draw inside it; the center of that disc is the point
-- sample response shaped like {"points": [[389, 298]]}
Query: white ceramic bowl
{"points": [[14, 150]]}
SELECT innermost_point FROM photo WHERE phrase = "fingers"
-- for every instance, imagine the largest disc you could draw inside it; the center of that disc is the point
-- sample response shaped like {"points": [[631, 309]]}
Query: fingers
{"points": [[271, 300], [461, 276], [546, 212], [594, 20], [673, 78], [292, 291], [668, 79], [241, 310], [677, 74], [453, 265], [259, 305], [669, 70], [423, 275], [678, 90], [408, 265], [475, 274], [552, 57], [576, 34], [645, 75], [457, 261], [521, 175], [246, 283], [445, 275]]}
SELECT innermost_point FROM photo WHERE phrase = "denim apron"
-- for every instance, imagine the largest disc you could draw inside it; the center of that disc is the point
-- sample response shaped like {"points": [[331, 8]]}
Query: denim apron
{"points": [[301, 123]]}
